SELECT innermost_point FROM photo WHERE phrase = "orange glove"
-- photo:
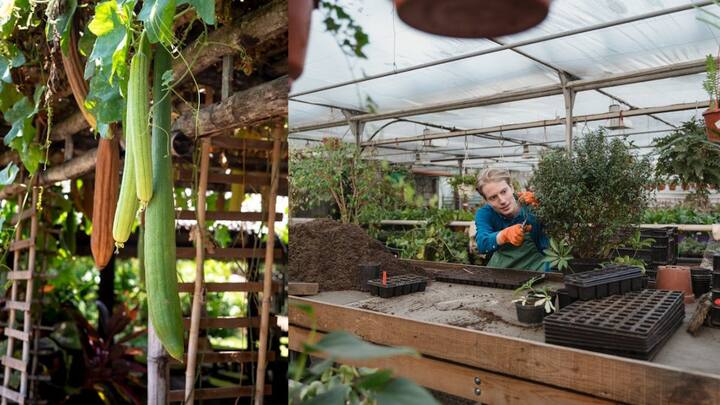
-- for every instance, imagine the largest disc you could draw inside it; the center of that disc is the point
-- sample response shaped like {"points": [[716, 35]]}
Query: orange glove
{"points": [[528, 197], [513, 234]]}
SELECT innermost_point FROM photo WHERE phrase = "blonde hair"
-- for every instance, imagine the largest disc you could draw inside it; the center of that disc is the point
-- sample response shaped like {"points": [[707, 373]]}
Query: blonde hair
{"points": [[492, 176]]}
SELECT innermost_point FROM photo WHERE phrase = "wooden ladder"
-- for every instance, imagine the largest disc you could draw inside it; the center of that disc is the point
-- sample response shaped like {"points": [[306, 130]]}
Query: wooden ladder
{"points": [[21, 273], [199, 288]]}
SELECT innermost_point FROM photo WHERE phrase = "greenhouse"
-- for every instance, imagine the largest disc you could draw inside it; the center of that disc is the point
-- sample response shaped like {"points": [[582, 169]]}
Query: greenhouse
{"points": [[143, 196], [505, 217]]}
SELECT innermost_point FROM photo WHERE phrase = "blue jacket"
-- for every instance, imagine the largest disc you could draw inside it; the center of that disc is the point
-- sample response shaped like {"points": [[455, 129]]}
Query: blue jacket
{"points": [[489, 223]]}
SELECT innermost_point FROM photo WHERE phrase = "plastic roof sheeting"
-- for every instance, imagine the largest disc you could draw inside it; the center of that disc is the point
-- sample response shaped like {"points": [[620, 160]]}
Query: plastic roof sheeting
{"points": [[648, 43]]}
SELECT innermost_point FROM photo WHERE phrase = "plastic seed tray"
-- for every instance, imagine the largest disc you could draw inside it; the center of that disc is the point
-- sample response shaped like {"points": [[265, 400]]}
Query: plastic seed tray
{"points": [[601, 283], [632, 325], [397, 285], [508, 279]]}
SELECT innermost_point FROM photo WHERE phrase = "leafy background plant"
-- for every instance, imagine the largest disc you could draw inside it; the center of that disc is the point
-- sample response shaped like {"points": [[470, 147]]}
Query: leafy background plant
{"points": [[591, 193]]}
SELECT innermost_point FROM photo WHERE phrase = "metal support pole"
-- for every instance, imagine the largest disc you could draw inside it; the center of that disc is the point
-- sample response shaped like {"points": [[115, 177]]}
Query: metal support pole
{"points": [[569, 96]]}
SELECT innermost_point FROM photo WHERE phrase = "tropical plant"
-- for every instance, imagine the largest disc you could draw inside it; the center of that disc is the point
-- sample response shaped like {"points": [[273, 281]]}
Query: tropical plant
{"points": [[681, 214], [687, 155], [529, 295], [328, 383], [591, 193], [558, 254]]}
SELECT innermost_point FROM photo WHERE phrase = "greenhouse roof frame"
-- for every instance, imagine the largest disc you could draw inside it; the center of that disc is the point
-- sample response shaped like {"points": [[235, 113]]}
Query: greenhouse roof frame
{"points": [[676, 72]]}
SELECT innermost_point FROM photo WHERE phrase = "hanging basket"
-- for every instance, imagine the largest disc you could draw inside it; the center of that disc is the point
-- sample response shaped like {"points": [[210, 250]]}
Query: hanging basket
{"points": [[712, 123], [472, 18], [465, 191]]}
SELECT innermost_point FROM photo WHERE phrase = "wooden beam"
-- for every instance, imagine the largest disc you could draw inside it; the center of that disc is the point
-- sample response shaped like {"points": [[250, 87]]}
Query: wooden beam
{"points": [[229, 287], [217, 393], [229, 142], [227, 216], [595, 374], [228, 322], [257, 104], [296, 288], [254, 30], [227, 253], [459, 380], [227, 357]]}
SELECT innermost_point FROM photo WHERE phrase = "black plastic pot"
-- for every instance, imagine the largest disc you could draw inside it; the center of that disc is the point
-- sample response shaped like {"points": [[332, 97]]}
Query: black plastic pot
{"points": [[715, 316], [716, 280], [700, 285], [580, 266], [716, 262], [369, 271], [564, 298], [530, 313]]}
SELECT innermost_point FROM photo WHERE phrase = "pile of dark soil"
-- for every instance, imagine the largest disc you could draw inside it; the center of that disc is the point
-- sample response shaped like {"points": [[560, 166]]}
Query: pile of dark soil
{"points": [[327, 252]]}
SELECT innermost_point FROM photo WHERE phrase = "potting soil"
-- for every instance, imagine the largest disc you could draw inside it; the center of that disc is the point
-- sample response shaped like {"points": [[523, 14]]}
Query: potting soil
{"points": [[327, 252]]}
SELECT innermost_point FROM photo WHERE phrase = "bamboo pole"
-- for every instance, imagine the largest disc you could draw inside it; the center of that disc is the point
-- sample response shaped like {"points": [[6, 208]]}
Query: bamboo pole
{"points": [[267, 277], [198, 301], [158, 372]]}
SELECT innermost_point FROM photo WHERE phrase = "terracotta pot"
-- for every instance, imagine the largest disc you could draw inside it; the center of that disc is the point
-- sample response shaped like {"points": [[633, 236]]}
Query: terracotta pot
{"points": [[472, 18], [712, 123], [299, 16], [675, 278], [672, 187], [684, 187]]}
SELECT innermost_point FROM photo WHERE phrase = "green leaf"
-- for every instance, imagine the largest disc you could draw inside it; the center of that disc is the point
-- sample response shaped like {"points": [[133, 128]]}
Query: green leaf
{"points": [[319, 368], [110, 50], [10, 57], [8, 96], [7, 175], [222, 236], [158, 18], [345, 345], [6, 11], [376, 380], [30, 154], [333, 396], [167, 78], [104, 100], [17, 117], [402, 391]]}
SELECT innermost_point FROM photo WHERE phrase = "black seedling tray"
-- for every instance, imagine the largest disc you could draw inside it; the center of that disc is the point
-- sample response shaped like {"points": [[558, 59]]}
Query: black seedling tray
{"points": [[640, 355], [634, 325], [611, 280], [508, 279], [600, 276], [397, 285], [663, 251]]}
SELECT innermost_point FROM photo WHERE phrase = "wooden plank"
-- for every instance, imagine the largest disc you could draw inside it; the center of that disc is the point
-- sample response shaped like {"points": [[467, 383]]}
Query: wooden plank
{"points": [[227, 253], [14, 363], [458, 379], [27, 213], [297, 288], [17, 334], [19, 275], [228, 322], [218, 393], [12, 395], [18, 305], [599, 375], [227, 357], [255, 179], [229, 287], [228, 216], [21, 244], [229, 142]]}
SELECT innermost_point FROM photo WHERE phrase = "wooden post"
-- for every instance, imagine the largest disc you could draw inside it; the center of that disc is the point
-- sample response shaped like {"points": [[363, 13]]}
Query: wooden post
{"points": [[158, 372], [198, 301], [267, 277]]}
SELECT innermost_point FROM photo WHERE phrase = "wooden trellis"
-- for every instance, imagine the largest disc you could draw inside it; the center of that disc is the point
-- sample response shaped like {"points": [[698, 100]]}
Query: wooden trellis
{"points": [[19, 301]]}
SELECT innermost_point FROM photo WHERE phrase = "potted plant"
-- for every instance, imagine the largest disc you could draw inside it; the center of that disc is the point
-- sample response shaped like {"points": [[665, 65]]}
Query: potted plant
{"points": [[589, 194], [532, 304], [712, 114], [687, 157]]}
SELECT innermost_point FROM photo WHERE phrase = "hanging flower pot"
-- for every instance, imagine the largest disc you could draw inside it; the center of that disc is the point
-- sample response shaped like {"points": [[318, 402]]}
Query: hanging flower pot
{"points": [[299, 16], [465, 192], [712, 123], [472, 18]]}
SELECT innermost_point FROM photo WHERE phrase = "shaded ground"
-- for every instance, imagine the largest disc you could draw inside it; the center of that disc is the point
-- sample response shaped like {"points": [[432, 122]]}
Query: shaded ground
{"points": [[327, 252]]}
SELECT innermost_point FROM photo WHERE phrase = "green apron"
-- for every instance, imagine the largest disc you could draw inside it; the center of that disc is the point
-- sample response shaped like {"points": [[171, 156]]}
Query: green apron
{"points": [[523, 257]]}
